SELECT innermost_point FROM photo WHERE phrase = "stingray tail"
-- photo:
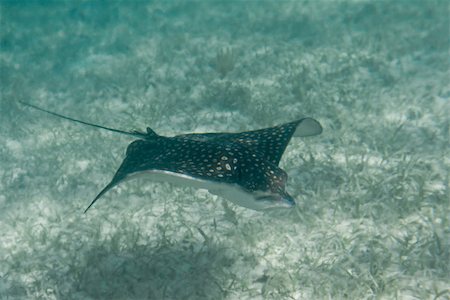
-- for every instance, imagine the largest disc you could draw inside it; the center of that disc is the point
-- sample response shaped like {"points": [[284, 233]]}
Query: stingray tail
{"points": [[131, 133]]}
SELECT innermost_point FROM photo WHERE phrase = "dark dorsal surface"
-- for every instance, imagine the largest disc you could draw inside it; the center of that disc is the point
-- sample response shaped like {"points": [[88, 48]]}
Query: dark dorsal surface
{"points": [[268, 142], [214, 160]]}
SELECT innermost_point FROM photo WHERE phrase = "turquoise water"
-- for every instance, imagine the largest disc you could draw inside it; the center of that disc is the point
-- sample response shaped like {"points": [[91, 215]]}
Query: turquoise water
{"points": [[372, 191]]}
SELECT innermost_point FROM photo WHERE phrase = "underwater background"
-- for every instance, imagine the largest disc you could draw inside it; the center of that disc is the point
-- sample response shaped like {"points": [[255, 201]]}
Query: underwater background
{"points": [[372, 214]]}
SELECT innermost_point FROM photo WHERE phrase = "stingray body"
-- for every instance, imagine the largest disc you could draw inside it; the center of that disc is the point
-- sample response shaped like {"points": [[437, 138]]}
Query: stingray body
{"points": [[241, 167]]}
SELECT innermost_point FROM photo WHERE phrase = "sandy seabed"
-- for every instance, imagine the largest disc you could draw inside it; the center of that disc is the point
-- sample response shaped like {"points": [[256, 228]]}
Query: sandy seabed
{"points": [[372, 220]]}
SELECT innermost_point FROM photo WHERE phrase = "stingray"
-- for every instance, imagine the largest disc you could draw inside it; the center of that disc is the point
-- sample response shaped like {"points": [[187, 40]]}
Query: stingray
{"points": [[241, 167]]}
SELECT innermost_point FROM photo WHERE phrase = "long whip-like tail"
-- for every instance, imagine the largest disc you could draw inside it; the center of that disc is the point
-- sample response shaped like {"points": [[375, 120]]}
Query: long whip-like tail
{"points": [[131, 133]]}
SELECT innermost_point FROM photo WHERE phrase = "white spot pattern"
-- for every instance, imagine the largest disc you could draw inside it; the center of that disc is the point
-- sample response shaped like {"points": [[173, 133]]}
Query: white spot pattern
{"points": [[249, 159]]}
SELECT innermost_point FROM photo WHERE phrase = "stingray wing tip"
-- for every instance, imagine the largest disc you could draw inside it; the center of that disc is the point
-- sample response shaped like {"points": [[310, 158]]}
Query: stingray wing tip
{"points": [[109, 186]]}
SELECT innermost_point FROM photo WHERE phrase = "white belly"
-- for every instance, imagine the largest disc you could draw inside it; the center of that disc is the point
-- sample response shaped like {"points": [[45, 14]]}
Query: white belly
{"points": [[232, 192]]}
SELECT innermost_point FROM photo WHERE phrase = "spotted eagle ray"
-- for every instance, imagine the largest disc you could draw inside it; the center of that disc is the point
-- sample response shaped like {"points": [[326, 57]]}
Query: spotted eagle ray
{"points": [[241, 167]]}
